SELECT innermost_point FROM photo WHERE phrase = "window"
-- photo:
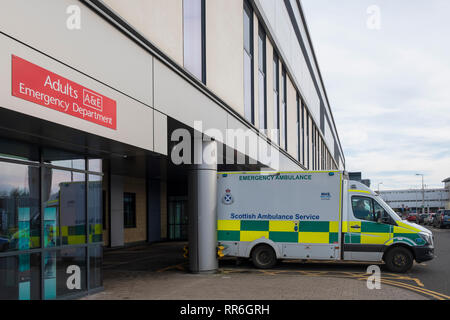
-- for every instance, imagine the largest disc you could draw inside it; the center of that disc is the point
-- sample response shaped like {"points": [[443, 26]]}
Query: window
{"points": [[303, 134], [194, 37], [95, 208], [362, 208], [368, 209], [20, 277], [20, 221], [177, 218], [298, 128], [129, 210], [64, 208], [56, 264], [313, 137], [283, 114], [95, 266], [307, 138], [44, 195], [262, 90], [248, 64], [316, 151], [276, 95]]}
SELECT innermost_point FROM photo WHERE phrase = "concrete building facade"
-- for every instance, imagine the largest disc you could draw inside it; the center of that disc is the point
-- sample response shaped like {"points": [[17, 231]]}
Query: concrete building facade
{"points": [[416, 199], [447, 188], [95, 100]]}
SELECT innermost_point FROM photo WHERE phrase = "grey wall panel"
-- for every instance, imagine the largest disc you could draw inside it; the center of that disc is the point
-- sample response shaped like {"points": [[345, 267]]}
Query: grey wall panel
{"points": [[97, 49], [180, 100], [322, 118], [274, 158], [116, 210], [134, 119], [160, 132]]}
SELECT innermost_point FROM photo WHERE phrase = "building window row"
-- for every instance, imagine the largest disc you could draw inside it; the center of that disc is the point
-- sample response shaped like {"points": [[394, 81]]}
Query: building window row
{"points": [[311, 149], [194, 38]]}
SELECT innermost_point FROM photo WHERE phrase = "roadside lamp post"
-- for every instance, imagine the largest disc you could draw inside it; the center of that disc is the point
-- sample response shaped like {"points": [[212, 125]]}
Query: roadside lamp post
{"points": [[379, 187], [423, 192]]}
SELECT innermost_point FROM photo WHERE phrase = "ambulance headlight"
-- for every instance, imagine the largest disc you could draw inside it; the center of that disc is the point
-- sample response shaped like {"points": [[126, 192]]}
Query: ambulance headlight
{"points": [[426, 237]]}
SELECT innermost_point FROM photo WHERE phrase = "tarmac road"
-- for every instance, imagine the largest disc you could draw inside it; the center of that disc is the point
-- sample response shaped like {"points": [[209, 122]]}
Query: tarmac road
{"points": [[435, 274]]}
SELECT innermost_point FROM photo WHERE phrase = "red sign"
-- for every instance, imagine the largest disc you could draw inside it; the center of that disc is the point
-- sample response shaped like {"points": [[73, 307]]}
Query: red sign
{"points": [[35, 84]]}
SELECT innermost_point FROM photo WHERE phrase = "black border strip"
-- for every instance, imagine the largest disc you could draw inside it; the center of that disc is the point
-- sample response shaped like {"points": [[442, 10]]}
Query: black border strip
{"points": [[364, 247]]}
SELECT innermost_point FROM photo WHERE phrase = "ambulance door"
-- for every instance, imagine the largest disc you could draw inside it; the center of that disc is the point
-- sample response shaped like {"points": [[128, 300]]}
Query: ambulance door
{"points": [[368, 229]]}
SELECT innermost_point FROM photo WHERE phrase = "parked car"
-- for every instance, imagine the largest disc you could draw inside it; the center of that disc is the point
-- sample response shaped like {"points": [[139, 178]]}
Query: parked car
{"points": [[412, 217], [442, 219], [429, 219], [422, 217]]}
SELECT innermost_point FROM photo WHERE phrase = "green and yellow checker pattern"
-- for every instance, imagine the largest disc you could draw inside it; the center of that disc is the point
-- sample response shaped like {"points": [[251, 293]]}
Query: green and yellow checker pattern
{"points": [[366, 232], [325, 232], [73, 234], [376, 233], [77, 234]]}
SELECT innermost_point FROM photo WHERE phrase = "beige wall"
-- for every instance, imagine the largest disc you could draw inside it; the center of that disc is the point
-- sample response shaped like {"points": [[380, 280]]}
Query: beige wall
{"points": [[138, 234], [137, 186], [160, 21], [225, 51]]}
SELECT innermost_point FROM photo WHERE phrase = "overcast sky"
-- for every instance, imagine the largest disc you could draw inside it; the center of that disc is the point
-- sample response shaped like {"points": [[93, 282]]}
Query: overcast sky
{"points": [[389, 88]]}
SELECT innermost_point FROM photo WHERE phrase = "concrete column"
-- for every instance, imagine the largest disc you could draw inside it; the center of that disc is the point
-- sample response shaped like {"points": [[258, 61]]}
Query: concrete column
{"points": [[116, 210], [153, 210], [202, 192]]}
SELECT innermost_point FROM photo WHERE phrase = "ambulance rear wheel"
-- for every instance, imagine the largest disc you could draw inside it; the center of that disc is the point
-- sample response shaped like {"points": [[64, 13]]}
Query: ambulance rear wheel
{"points": [[399, 260], [264, 257]]}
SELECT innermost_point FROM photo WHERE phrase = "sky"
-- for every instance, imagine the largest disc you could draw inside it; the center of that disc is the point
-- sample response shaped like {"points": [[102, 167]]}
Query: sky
{"points": [[386, 70]]}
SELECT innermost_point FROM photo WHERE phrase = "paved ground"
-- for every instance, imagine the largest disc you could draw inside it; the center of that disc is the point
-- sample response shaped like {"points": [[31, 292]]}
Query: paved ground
{"points": [[159, 272], [242, 286]]}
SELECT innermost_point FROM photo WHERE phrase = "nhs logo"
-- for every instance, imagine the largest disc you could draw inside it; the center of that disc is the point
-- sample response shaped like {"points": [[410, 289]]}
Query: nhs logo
{"points": [[325, 196]]}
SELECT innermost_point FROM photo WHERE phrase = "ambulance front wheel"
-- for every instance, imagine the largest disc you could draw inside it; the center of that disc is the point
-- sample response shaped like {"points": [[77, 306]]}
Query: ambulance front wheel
{"points": [[399, 259], [263, 256]]}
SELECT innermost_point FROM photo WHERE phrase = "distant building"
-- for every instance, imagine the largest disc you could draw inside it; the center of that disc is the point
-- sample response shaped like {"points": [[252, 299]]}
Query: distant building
{"points": [[447, 188], [434, 199], [357, 176]]}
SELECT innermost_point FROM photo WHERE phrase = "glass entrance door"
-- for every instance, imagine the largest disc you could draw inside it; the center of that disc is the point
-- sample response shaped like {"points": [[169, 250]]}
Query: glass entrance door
{"points": [[177, 218]]}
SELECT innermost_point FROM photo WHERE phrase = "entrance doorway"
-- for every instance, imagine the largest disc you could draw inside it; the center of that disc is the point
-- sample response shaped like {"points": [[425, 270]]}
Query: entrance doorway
{"points": [[177, 219]]}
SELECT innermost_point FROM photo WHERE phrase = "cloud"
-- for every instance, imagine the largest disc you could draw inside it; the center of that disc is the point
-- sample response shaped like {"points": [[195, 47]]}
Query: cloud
{"points": [[388, 89]]}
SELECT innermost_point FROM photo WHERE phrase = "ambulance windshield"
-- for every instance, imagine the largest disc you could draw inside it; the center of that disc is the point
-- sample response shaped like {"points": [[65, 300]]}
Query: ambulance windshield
{"points": [[392, 213]]}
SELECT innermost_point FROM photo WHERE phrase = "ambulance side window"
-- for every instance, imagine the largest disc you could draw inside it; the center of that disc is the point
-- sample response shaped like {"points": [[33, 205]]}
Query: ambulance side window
{"points": [[363, 208], [381, 215]]}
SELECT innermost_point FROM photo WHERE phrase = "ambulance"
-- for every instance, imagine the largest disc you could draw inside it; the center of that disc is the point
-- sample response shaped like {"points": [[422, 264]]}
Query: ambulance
{"points": [[320, 215]]}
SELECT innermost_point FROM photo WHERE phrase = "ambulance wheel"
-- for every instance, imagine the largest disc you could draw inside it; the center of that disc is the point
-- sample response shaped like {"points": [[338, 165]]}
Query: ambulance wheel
{"points": [[399, 260], [264, 257]]}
